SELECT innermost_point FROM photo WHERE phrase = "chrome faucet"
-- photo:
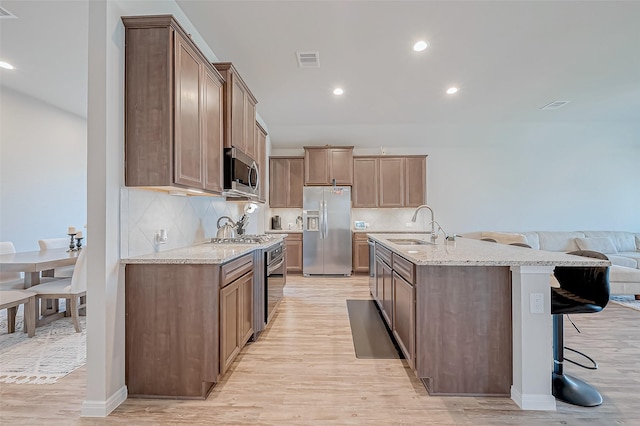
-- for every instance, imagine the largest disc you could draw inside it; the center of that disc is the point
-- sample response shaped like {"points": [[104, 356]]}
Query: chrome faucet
{"points": [[434, 235]]}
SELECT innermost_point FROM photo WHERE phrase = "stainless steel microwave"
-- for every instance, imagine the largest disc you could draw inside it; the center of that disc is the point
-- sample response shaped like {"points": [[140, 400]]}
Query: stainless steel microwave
{"points": [[241, 174]]}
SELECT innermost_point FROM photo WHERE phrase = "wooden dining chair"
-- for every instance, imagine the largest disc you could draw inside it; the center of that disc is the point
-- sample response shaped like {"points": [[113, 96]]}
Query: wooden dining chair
{"points": [[10, 280], [51, 243], [72, 289]]}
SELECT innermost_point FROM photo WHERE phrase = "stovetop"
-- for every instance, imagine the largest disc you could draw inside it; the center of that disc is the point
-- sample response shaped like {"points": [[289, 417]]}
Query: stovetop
{"points": [[244, 239]]}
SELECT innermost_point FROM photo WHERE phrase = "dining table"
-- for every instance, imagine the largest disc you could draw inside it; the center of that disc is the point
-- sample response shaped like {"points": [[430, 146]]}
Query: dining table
{"points": [[37, 264]]}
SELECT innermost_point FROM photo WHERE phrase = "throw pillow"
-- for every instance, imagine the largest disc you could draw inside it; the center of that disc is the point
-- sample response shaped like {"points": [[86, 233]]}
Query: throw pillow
{"points": [[600, 244], [505, 237]]}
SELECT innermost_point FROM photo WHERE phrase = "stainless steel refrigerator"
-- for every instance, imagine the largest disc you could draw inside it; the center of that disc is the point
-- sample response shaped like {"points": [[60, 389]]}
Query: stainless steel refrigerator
{"points": [[326, 232]]}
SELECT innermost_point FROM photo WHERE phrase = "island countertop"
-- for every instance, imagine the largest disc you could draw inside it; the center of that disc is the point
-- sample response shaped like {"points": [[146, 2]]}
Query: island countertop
{"points": [[471, 252], [202, 253]]}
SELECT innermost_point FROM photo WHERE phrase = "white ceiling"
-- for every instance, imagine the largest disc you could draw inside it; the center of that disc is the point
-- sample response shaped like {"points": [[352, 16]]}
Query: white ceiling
{"points": [[509, 59]]}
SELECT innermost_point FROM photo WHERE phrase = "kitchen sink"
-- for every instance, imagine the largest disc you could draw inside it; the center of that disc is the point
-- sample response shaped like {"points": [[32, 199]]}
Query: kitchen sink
{"points": [[408, 241]]}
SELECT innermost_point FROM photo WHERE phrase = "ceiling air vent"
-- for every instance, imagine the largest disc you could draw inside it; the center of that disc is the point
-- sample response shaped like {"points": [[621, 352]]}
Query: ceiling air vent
{"points": [[308, 59], [5, 14], [555, 105]]}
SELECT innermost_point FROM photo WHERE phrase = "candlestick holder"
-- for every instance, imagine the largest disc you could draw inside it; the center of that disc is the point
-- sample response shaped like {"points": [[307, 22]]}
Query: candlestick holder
{"points": [[72, 245], [78, 243]]}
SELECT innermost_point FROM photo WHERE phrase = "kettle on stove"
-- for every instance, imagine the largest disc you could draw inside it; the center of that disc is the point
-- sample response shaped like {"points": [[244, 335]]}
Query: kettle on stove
{"points": [[228, 230]]}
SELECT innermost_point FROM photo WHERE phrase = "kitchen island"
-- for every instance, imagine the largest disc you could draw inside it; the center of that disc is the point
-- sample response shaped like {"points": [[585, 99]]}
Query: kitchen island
{"points": [[462, 313]]}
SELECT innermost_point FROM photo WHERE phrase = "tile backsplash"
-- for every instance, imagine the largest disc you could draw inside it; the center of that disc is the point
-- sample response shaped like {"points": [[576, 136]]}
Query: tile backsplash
{"points": [[377, 219], [188, 220]]}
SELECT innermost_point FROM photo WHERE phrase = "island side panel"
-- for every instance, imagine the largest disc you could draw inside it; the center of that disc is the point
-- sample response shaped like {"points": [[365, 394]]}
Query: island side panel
{"points": [[463, 330], [171, 330]]}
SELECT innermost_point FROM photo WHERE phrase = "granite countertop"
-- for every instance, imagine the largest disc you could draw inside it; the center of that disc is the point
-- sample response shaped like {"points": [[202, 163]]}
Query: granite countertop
{"points": [[203, 253], [471, 252], [378, 231], [283, 231]]}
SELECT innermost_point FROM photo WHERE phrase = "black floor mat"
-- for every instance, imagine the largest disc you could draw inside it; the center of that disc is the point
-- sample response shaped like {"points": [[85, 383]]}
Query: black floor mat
{"points": [[370, 336]]}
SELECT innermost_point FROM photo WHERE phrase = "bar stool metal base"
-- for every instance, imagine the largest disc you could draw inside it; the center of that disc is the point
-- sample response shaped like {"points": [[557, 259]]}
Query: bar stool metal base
{"points": [[574, 391]]}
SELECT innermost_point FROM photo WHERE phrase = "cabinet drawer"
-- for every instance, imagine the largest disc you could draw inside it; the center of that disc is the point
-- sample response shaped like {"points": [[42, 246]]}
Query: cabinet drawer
{"points": [[404, 268], [383, 253], [233, 270]]}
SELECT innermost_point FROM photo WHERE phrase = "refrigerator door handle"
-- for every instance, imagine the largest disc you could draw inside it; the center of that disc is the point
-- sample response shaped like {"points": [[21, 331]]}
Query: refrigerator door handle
{"points": [[326, 219]]}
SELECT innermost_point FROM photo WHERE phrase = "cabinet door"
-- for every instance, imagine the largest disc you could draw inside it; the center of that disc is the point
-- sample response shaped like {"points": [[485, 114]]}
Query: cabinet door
{"points": [[294, 252], [278, 182], [365, 182], [238, 111], [261, 148], [245, 317], [360, 253], [296, 182], [415, 184], [385, 290], [250, 128], [188, 143], [230, 307], [212, 131], [316, 166], [341, 166], [404, 317], [391, 182]]}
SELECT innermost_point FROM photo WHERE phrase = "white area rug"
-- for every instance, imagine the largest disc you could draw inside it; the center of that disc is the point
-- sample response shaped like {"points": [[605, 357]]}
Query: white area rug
{"points": [[628, 301], [55, 351]]}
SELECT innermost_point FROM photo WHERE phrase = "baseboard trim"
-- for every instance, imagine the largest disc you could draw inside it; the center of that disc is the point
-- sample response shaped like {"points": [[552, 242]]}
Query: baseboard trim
{"points": [[533, 401], [103, 408]]}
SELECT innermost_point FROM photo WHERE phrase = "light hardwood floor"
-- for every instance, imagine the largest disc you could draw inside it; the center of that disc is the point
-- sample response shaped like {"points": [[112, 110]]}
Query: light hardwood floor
{"points": [[303, 371]]}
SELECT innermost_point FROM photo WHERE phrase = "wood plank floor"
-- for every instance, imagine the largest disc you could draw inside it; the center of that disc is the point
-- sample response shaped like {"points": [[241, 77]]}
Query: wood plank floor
{"points": [[303, 371]]}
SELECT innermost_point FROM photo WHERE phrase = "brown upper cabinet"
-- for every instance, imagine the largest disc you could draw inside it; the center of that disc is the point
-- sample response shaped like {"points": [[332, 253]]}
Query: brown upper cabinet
{"points": [[285, 181], [239, 111], [173, 108], [261, 154], [324, 164], [389, 181]]}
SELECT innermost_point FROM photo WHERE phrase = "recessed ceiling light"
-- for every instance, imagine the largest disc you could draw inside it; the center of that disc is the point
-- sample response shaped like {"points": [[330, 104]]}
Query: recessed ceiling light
{"points": [[452, 90], [6, 65], [420, 46], [338, 91]]}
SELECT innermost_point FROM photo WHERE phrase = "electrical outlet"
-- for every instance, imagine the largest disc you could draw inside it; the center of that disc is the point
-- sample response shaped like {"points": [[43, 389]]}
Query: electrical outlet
{"points": [[536, 303], [408, 224]]}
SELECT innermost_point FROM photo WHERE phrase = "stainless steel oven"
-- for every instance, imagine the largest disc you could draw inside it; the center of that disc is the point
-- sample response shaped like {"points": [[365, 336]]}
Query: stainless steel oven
{"points": [[275, 278]]}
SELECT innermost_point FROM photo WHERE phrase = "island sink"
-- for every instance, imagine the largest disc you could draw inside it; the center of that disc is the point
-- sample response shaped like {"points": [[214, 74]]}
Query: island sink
{"points": [[408, 241]]}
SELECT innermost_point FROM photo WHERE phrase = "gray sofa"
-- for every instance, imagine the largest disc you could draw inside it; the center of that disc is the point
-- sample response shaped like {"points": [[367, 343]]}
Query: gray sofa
{"points": [[622, 249]]}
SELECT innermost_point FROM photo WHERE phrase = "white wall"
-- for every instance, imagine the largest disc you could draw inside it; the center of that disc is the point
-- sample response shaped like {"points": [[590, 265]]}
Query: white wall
{"points": [[520, 177], [43, 170]]}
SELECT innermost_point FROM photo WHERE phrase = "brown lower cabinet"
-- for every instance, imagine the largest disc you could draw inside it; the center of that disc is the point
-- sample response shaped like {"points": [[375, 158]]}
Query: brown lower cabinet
{"points": [[184, 325], [360, 253], [404, 316], [236, 328], [452, 323], [294, 252]]}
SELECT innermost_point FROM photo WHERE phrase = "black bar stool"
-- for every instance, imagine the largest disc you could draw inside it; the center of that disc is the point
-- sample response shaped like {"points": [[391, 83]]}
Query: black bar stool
{"points": [[582, 290]]}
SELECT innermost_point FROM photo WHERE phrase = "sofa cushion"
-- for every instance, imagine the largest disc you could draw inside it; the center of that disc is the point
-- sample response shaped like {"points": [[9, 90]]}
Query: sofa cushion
{"points": [[631, 254], [601, 244], [624, 274], [505, 237], [559, 241], [624, 241], [532, 239], [617, 259]]}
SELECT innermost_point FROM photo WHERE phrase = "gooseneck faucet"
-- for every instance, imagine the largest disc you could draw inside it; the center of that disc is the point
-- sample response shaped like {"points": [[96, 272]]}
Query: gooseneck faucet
{"points": [[434, 235]]}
